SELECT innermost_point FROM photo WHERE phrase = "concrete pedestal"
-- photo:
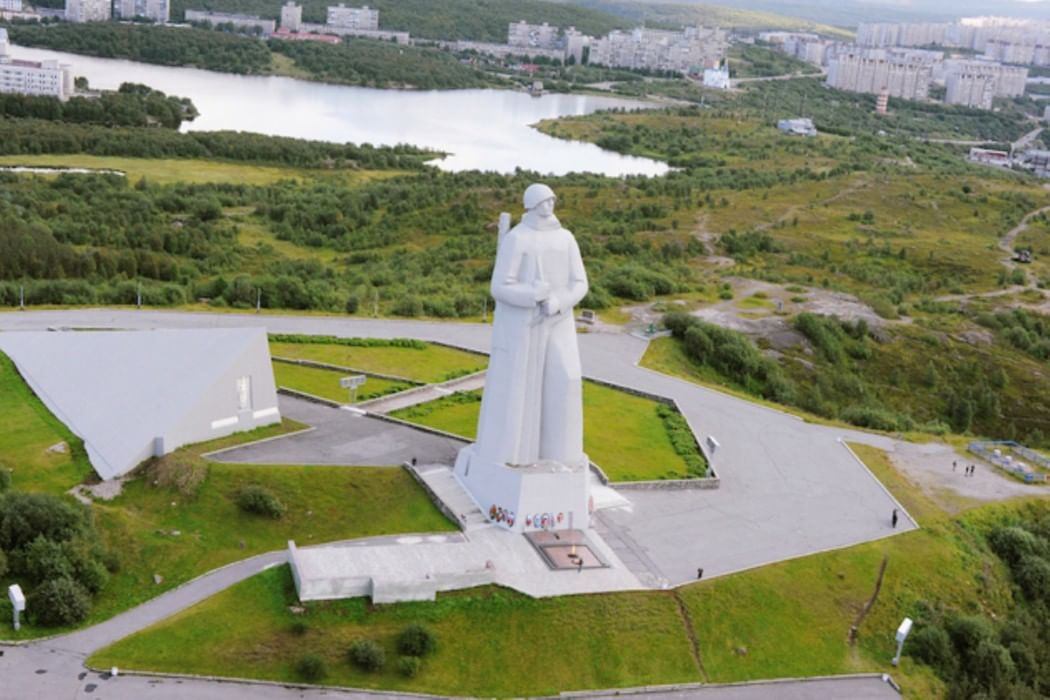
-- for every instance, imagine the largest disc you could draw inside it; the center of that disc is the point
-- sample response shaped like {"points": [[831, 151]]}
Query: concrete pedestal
{"points": [[543, 496]]}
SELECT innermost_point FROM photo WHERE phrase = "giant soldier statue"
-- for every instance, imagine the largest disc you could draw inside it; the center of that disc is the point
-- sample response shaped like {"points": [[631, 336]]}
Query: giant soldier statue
{"points": [[527, 469]]}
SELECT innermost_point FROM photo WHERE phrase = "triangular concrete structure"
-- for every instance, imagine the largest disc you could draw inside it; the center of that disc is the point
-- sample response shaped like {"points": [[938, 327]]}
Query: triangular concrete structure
{"points": [[131, 395]]}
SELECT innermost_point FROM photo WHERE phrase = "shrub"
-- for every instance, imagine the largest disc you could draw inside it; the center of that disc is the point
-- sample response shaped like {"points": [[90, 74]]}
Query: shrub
{"points": [[299, 628], [44, 560], [367, 655], [3, 564], [1033, 576], [260, 501], [416, 640], [967, 632], [408, 666], [25, 516], [176, 471], [59, 602], [311, 668], [5, 478], [1012, 544], [932, 646], [352, 304]]}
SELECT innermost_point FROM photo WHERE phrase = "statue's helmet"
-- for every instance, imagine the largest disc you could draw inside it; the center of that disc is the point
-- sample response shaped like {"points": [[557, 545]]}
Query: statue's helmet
{"points": [[536, 193]]}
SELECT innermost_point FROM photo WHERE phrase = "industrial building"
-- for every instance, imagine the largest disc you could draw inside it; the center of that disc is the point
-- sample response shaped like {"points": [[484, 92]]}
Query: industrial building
{"points": [[132, 395]]}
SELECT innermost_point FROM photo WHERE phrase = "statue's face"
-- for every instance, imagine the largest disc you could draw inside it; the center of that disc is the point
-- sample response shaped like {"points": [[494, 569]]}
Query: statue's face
{"points": [[545, 208]]}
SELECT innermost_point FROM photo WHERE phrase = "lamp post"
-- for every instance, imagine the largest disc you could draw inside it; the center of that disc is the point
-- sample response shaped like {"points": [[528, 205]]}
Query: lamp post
{"points": [[902, 634]]}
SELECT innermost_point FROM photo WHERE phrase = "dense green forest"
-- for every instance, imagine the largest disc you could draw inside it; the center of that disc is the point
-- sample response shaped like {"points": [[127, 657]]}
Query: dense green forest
{"points": [[480, 20], [169, 46], [33, 136], [381, 64], [130, 105]]}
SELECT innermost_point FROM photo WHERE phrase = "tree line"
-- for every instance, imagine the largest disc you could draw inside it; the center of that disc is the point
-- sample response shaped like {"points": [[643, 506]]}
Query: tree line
{"points": [[131, 105]]}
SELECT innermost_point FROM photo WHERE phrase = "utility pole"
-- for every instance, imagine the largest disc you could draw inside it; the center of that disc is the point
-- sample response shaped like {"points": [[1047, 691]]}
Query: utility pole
{"points": [[22, 297], [138, 296], [375, 303], [258, 301]]}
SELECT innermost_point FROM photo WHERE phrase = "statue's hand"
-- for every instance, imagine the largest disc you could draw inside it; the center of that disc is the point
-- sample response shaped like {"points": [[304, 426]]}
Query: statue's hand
{"points": [[541, 290], [551, 305]]}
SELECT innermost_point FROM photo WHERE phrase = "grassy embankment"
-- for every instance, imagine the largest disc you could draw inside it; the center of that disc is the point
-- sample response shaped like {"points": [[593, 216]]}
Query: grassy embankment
{"points": [[324, 503], [622, 433], [788, 619], [424, 364]]}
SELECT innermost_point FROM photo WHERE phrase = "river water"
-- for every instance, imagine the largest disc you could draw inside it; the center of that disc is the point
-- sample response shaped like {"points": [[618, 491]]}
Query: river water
{"points": [[479, 129]]}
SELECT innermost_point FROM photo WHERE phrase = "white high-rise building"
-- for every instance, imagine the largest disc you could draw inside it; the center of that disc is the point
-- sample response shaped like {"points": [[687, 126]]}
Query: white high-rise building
{"points": [[977, 83], [11, 5], [353, 17], [874, 70], [291, 16], [694, 49], [534, 36], [46, 78], [88, 10], [156, 10]]}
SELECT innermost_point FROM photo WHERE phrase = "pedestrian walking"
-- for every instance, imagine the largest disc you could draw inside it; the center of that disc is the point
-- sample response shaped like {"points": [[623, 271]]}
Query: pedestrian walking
{"points": [[699, 574], [893, 518], [955, 463]]}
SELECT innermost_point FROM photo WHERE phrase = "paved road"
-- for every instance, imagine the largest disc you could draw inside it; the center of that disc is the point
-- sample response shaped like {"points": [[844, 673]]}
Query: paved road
{"points": [[343, 438]]}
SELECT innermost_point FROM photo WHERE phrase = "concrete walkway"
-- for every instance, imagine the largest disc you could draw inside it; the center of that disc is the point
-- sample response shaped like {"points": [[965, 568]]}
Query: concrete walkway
{"points": [[343, 438], [430, 392]]}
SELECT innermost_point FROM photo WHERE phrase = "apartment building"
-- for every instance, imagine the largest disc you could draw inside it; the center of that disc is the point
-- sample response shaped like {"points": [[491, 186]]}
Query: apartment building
{"points": [[361, 18], [872, 72], [693, 49], [88, 10], [534, 36], [156, 10], [291, 16]]}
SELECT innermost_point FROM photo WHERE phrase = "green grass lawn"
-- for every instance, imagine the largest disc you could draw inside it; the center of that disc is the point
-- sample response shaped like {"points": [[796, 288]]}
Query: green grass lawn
{"points": [[622, 433], [28, 429], [490, 641], [428, 364], [325, 383], [787, 619]]}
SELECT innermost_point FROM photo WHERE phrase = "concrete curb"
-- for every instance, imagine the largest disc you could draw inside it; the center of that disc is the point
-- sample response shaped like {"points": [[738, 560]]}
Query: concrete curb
{"points": [[209, 455], [418, 389], [881, 485], [432, 495], [420, 426], [348, 370], [640, 690], [308, 397]]}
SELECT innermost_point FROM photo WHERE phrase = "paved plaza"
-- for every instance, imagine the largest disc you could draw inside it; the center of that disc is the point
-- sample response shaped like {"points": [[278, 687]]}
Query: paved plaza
{"points": [[341, 437], [788, 488]]}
